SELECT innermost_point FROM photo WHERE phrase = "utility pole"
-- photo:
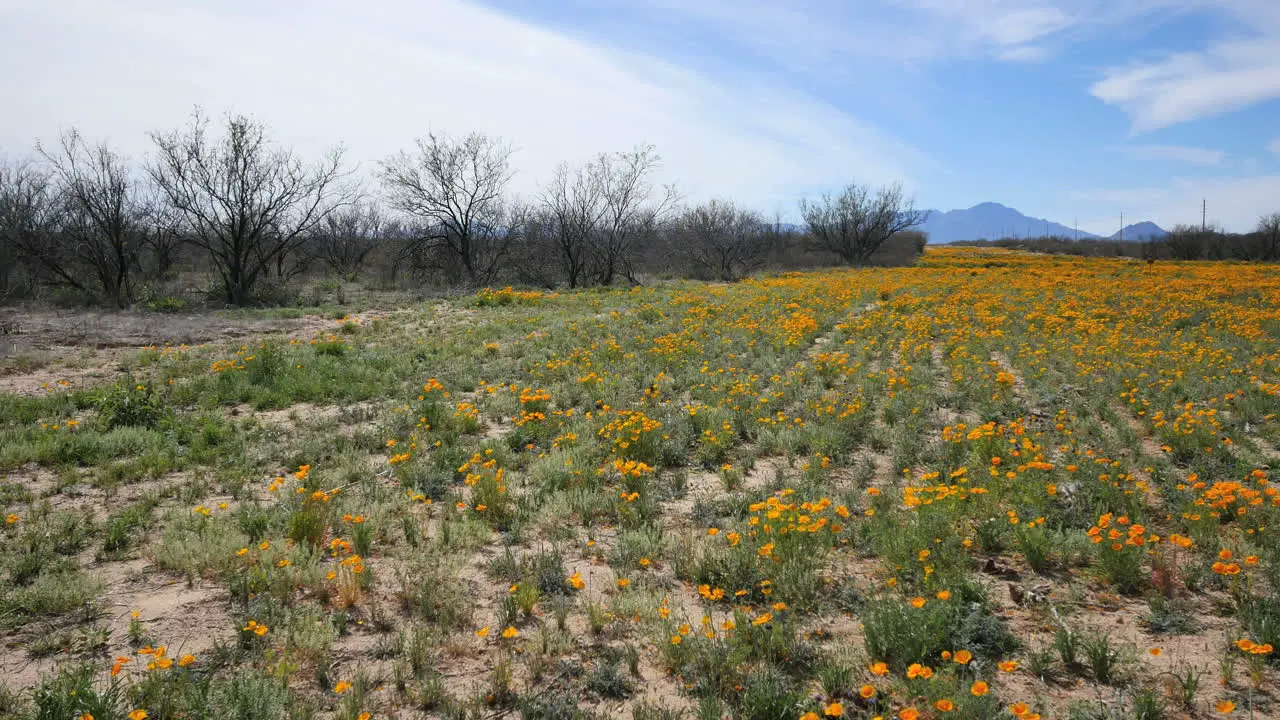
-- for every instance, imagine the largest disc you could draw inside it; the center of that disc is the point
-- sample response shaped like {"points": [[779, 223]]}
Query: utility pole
{"points": [[1204, 206], [1075, 226], [1121, 226]]}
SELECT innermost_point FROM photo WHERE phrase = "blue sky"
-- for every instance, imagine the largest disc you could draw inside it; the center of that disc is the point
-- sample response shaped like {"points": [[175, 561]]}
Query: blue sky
{"points": [[1065, 109]]}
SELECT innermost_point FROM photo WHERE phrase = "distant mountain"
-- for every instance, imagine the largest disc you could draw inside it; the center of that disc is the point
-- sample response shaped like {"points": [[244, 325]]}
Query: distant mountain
{"points": [[993, 221], [990, 221], [1138, 232]]}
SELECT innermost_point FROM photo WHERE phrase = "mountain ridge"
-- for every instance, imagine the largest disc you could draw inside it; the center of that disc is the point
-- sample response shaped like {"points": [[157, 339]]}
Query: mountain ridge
{"points": [[993, 221], [1137, 232]]}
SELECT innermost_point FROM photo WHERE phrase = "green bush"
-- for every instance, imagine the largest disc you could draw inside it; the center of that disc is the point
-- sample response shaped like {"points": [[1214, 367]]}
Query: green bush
{"points": [[167, 305], [127, 404], [249, 696], [72, 693], [769, 695], [900, 634]]}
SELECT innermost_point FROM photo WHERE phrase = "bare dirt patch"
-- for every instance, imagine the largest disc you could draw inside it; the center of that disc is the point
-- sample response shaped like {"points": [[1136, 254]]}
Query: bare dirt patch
{"points": [[101, 500], [44, 329], [19, 670], [50, 350], [64, 368], [186, 618], [309, 414]]}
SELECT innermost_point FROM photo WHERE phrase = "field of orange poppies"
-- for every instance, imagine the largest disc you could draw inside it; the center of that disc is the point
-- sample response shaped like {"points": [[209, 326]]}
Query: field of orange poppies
{"points": [[993, 485]]}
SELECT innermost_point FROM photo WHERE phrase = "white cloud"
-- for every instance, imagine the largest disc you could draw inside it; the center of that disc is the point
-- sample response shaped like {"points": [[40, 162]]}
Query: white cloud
{"points": [[1175, 153], [1022, 30], [811, 36], [819, 34], [376, 74], [998, 23], [1024, 54], [822, 36], [1230, 74], [1274, 146], [1189, 86], [1235, 203]]}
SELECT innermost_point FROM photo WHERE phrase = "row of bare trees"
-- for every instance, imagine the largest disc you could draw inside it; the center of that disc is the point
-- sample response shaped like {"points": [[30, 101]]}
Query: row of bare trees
{"points": [[1200, 242], [1183, 242], [84, 218], [232, 202], [598, 215], [84, 197], [596, 220]]}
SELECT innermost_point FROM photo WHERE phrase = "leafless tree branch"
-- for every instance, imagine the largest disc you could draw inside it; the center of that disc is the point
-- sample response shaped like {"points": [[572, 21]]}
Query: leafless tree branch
{"points": [[855, 223], [723, 241], [455, 190], [245, 201]]}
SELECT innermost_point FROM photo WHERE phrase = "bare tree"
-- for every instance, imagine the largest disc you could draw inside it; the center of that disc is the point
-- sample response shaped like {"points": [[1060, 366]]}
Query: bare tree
{"points": [[163, 237], [855, 223], [1217, 244], [1268, 232], [28, 216], [513, 228], [455, 189], [1151, 248], [720, 239], [574, 207], [104, 220], [1187, 242], [245, 201], [536, 255], [345, 238], [632, 210]]}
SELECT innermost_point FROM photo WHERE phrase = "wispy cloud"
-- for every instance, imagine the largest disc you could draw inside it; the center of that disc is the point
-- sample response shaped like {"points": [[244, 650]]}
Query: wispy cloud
{"points": [[808, 34], [1024, 54], [1175, 153], [1005, 28], [1228, 75], [376, 74], [1274, 146], [1020, 30], [1189, 86], [816, 36]]}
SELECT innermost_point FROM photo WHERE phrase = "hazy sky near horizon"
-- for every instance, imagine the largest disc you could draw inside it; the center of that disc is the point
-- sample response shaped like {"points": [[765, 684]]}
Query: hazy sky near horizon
{"points": [[1065, 109]]}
